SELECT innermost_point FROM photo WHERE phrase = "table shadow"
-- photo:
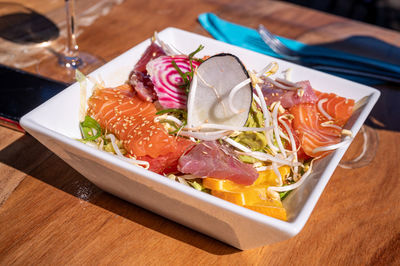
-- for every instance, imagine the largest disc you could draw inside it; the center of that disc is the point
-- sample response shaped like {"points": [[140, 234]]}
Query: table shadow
{"points": [[60, 175], [23, 25]]}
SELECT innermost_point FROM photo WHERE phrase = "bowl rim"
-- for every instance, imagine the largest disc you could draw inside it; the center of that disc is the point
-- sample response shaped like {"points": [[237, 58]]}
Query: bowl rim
{"points": [[30, 123]]}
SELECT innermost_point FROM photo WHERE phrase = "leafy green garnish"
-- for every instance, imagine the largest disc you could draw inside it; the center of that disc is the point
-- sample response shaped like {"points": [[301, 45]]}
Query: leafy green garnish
{"points": [[184, 76], [188, 76], [198, 186], [181, 115], [284, 194], [90, 128], [192, 54], [178, 129], [171, 110]]}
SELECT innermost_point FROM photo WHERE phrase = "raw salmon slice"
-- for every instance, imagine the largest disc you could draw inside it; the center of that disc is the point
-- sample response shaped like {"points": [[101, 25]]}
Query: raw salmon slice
{"points": [[339, 108], [131, 120], [307, 126], [168, 163]]}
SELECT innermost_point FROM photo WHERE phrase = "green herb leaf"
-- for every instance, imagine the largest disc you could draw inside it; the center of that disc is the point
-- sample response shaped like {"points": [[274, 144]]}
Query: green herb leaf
{"points": [[171, 110], [177, 68], [192, 54], [88, 126], [188, 76], [284, 194]]}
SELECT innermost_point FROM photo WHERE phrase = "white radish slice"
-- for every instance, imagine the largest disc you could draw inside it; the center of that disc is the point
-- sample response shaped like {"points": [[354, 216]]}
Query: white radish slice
{"points": [[208, 100]]}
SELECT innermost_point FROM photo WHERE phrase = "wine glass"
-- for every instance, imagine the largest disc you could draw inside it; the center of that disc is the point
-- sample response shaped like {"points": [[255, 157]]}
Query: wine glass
{"points": [[62, 66], [363, 149]]}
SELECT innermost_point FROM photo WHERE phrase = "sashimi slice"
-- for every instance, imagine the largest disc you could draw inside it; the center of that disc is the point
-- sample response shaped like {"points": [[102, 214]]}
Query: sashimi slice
{"points": [[339, 108], [139, 77], [211, 159], [132, 121], [307, 125], [168, 163], [289, 122], [288, 98]]}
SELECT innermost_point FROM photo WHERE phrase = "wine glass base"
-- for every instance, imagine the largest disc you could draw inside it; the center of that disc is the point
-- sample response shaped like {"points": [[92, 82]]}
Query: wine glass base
{"points": [[60, 68], [363, 149]]}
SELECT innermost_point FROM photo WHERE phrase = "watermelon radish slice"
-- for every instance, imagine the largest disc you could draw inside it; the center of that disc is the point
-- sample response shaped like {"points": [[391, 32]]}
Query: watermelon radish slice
{"points": [[210, 99]]}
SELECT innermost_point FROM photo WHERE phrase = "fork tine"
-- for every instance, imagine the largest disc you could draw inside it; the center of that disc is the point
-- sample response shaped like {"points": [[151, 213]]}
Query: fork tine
{"points": [[270, 40], [275, 44]]}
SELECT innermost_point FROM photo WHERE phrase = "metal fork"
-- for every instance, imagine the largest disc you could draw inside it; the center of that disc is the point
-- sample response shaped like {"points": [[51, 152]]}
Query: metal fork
{"points": [[276, 45], [288, 54]]}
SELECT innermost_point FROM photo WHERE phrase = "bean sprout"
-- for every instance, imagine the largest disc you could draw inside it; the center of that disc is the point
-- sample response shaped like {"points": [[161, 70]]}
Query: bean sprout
{"points": [[333, 146], [233, 93], [322, 110], [295, 185]]}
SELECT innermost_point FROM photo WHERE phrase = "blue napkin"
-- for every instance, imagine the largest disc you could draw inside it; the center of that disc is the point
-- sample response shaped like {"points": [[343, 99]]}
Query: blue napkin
{"points": [[249, 38]]}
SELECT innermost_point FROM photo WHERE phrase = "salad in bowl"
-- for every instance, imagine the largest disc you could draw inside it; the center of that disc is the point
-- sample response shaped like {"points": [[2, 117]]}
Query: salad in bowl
{"points": [[249, 137]]}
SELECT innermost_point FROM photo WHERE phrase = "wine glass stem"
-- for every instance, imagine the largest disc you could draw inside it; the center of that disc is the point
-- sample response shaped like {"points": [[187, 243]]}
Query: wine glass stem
{"points": [[71, 58]]}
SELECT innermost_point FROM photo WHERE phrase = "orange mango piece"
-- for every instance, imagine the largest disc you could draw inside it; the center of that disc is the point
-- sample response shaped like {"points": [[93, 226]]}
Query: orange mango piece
{"points": [[241, 196], [253, 197], [269, 178], [272, 208], [219, 184]]}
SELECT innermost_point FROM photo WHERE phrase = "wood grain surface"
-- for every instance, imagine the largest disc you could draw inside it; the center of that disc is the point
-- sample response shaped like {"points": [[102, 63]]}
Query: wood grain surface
{"points": [[55, 216]]}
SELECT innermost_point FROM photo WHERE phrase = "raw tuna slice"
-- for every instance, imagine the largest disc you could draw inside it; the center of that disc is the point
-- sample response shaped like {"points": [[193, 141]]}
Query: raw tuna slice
{"points": [[211, 159], [288, 98], [139, 77]]}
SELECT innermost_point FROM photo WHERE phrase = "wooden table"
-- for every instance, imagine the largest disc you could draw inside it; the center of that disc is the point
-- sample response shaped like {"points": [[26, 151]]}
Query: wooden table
{"points": [[55, 216]]}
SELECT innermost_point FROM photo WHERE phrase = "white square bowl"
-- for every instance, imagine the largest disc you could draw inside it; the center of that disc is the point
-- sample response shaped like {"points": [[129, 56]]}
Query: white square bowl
{"points": [[56, 124]]}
